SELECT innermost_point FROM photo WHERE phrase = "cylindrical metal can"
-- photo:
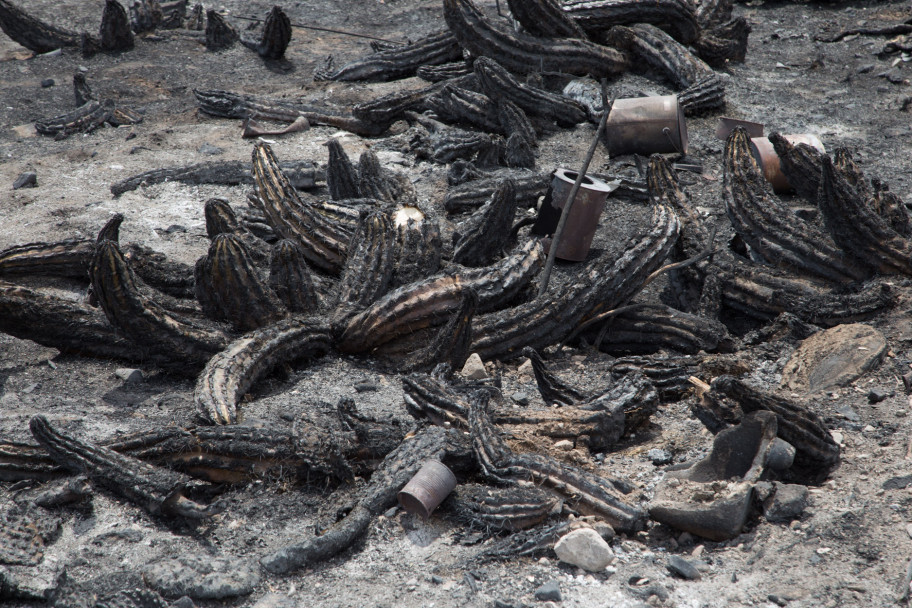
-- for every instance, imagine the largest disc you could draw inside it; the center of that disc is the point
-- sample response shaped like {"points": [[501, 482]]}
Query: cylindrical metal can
{"points": [[427, 489], [646, 125]]}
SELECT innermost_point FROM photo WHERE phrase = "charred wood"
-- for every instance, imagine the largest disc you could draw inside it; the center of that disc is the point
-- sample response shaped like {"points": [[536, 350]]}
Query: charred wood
{"points": [[32, 33], [220, 35], [528, 186]]}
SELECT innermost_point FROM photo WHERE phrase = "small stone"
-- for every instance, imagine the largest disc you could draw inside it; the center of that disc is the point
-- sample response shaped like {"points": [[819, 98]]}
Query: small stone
{"points": [[683, 568], [520, 398], [129, 375], [398, 127], [210, 149], [474, 368], [876, 395], [585, 548], [525, 368], [549, 592], [274, 600], [436, 580], [868, 67], [27, 179], [564, 444], [781, 455], [787, 502], [685, 538], [391, 512], [47, 82], [837, 437], [364, 387], [659, 456], [604, 530], [848, 413]]}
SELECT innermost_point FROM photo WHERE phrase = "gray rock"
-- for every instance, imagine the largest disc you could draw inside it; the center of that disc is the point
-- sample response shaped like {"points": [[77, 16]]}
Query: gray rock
{"points": [[585, 548], [47, 82], [564, 444], [787, 502], [275, 600], [365, 387], [27, 179], [474, 368], [210, 149], [202, 576], [781, 455], [834, 357], [848, 413], [520, 398], [659, 456], [183, 602], [604, 530], [549, 592], [129, 375], [681, 567], [878, 394]]}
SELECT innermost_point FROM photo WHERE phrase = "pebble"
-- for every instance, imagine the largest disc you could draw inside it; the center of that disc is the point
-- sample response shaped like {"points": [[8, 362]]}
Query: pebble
{"points": [[210, 149], [202, 576], [436, 580], [549, 592], [564, 444], [604, 530], [474, 368], [683, 568], [876, 395], [525, 368], [47, 82], [129, 375], [364, 387], [183, 602], [520, 398], [26, 179], [781, 455], [659, 456], [274, 600], [585, 548], [834, 357]]}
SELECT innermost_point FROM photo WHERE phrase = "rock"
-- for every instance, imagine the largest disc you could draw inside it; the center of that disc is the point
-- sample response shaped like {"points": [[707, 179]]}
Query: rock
{"points": [[202, 576], [659, 456], [129, 375], [520, 398], [876, 395], [210, 149], [604, 530], [848, 413], [549, 592], [183, 602], [834, 357], [787, 502], [275, 600], [564, 444], [47, 83], [27, 179], [584, 548], [781, 455], [681, 567], [474, 368], [525, 369], [364, 387]]}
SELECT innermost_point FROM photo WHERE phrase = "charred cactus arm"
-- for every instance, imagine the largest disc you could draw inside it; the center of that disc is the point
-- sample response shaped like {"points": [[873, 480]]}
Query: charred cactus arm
{"points": [[70, 258], [290, 278], [231, 373], [470, 195], [655, 50], [483, 236], [502, 509], [84, 119], [275, 37], [401, 61], [770, 227], [545, 18], [186, 346], [552, 388], [158, 491], [451, 345], [522, 53], [369, 265], [32, 33], [583, 489], [341, 177], [675, 16]]}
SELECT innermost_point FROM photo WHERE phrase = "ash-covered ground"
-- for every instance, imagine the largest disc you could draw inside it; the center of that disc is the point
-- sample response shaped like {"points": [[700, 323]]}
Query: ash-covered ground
{"points": [[850, 547]]}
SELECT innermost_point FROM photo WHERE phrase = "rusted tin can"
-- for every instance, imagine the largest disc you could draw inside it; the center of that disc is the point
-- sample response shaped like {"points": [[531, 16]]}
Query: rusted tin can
{"points": [[766, 157], [584, 214], [431, 484], [646, 125]]}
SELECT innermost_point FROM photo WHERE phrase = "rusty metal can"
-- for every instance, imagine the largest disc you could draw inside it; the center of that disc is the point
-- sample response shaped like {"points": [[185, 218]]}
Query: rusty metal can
{"points": [[646, 125], [766, 157], [431, 484], [584, 214]]}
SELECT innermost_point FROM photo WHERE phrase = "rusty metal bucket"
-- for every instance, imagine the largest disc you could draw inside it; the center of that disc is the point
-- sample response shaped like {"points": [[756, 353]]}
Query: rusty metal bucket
{"points": [[427, 489], [766, 157], [646, 125], [584, 214]]}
